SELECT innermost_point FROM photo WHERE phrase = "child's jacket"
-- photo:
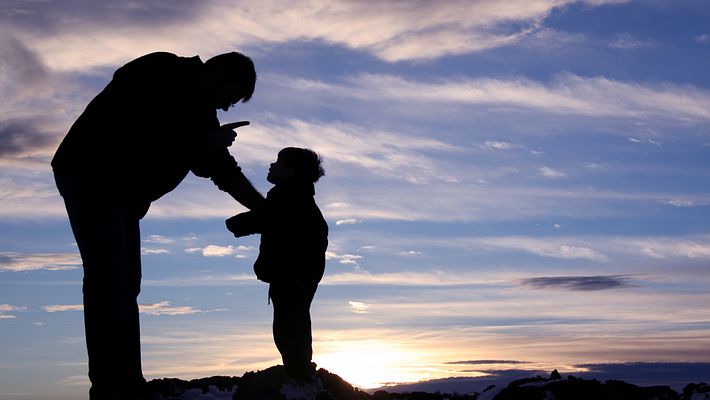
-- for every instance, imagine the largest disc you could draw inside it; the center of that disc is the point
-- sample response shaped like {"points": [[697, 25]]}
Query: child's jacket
{"points": [[294, 235]]}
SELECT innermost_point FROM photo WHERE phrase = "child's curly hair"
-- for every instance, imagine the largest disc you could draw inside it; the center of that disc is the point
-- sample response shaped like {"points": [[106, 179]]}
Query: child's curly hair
{"points": [[306, 163]]}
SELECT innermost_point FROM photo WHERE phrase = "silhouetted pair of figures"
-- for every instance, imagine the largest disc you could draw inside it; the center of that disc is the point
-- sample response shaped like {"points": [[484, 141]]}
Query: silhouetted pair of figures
{"points": [[137, 140]]}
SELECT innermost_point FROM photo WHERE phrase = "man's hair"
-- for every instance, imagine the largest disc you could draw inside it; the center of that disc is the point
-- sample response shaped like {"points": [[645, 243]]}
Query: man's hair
{"points": [[235, 66], [305, 162]]}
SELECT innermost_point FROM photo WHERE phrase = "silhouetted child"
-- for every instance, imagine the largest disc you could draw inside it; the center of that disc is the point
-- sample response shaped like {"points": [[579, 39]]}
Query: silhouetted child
{"points": [[294, 237]]}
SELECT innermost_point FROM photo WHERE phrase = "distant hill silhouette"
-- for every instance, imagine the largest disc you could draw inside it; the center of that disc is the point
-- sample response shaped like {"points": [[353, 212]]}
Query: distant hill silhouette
{"points": [[272, 384]]}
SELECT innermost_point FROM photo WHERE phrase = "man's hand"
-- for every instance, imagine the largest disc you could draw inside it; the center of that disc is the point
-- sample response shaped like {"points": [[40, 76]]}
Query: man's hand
{"points": [[224, 135]]}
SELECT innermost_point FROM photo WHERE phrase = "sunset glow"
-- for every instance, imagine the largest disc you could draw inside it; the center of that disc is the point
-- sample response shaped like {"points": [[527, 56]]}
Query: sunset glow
{"points": [[374, 363]]}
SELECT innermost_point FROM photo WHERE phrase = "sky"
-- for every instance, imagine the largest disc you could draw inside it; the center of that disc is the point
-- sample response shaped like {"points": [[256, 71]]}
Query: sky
{"points": [[509, 185]]}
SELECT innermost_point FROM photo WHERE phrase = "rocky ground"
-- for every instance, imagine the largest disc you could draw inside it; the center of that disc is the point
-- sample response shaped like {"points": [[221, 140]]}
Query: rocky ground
{"points": [[273, 384]]}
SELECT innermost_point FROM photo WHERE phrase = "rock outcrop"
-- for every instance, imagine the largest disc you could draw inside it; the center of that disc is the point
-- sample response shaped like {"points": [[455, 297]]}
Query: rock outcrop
{"points": [[273, 384]]}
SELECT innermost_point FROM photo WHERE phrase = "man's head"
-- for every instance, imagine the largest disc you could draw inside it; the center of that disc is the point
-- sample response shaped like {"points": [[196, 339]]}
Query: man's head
{"points": [[231, 79], [296, 165]]}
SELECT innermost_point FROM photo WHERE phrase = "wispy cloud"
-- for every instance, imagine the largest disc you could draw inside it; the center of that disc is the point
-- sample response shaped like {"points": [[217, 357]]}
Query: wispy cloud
{"points": [[22, 138], [29, 197], [348, 259], [214, 250], [408, 278], [645, 140], [627, 41], [6, 309], [567, 94], [680, 202], [358, 307], [161, 308], [391, 154], [159, 239], [148, 251], [348, 221], [579, 283], [16, 262], [203, 280], [63, 307], [487, 362], [391, 31], [164, 308], [496, 145], [556, 248], [661, 247], [548, 172]]}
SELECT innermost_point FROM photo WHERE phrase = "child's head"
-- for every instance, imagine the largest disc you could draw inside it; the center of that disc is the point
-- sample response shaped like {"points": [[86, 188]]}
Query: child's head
{"points": [[296, 165]]}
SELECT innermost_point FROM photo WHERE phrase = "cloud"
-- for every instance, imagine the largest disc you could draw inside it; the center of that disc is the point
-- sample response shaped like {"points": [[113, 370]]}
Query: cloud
{"points": [[601, 249], [17, 262], [662, 247], [567, 94], [627, 41], [593, 166], [496, 145], [395, 155], [348, 221], [548, 172], [203, 280], [407, 278], [63, 307], [146, 251], [357, 277], [348, 259], [161, 308], [22, 72], [704, 38], [579, 283], [164, 308], [158, 239], [487, 362], [28, 194], [555, 248], [358, 307], [680, 203], [7, 308], [22, 138], [214, 250], [218, 251], [410, 253], [647, 140], [392, 31]]}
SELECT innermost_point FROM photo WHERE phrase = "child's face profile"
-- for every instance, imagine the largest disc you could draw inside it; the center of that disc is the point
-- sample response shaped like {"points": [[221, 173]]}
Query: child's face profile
{"points": [[279, 172]]}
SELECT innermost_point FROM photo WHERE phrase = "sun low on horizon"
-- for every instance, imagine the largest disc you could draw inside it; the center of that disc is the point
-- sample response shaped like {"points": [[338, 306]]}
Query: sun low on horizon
{"points": [[371, 364]]}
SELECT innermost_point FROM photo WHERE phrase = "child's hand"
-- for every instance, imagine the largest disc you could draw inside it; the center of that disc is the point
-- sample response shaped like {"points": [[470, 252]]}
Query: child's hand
{"points": [[233, 224], [246, 223]]}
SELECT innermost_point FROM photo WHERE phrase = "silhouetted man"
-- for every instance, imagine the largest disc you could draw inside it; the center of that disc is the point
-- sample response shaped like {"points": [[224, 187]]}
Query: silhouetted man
{"points": [[136, 141]]}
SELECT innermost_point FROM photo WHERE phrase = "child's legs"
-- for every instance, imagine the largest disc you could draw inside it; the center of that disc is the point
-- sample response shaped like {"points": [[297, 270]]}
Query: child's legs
{"points": [[292, 324]]}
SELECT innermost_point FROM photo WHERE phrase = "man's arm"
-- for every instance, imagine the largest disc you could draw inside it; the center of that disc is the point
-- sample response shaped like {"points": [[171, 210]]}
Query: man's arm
{"points": [[239, 187], [222, 169]]}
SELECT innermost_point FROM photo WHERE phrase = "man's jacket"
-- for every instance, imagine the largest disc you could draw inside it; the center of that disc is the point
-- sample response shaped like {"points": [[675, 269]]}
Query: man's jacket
{"points": [[146, 130], [294, 235]]}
